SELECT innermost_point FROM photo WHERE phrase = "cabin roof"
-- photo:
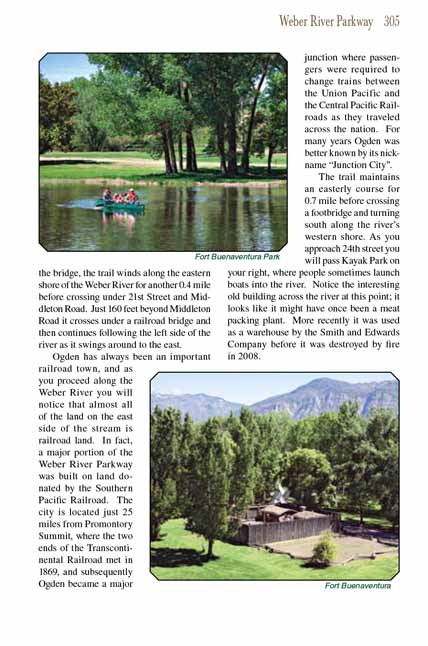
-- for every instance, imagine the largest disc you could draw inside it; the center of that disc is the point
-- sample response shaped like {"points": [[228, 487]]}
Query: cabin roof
{"points": [[275, 510], [307, 514]]}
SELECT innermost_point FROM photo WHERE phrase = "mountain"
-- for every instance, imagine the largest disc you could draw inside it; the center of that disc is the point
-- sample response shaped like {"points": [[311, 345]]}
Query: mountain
{"points": [[316, 397], [322, 395], [200, 407]]}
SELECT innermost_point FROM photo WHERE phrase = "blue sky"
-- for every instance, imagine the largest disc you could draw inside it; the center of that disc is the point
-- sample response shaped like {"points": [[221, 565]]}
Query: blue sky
{"points": [[248, 388], [64, 67]]}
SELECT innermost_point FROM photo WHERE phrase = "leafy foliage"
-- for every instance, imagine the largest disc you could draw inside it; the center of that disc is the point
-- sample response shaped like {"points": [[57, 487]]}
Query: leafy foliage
{"points": [[57, 109], [324, 551], [309, 476], [159, 99]]}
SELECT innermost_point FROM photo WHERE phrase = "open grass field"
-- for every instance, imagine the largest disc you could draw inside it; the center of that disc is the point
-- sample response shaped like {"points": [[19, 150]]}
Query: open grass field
{"points": [[180, 555], [139, 167]]}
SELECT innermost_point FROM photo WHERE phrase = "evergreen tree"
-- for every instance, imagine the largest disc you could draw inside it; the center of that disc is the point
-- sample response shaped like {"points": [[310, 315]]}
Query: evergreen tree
{"points": [[164, 460], [209, 490], [242, 473], [268, 458]]}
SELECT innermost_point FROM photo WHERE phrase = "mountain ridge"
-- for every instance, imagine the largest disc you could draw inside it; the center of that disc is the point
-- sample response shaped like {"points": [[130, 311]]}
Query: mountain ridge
{"points": [[317, 396]]}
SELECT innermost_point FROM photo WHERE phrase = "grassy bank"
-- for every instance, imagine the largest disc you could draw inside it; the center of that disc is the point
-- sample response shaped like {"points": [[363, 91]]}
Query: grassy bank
{"points": [[139, 168], [371, 520], [180, 555]]}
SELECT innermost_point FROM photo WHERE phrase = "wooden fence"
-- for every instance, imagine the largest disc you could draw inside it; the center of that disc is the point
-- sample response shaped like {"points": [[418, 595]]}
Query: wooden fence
{"points": [[258, 534]]}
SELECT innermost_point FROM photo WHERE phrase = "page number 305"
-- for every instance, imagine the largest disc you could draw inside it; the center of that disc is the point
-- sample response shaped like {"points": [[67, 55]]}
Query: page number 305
{"points": [[391, 21]]}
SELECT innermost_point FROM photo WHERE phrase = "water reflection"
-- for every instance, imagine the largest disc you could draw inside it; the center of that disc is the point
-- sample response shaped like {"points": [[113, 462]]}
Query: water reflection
{"points": [[184, 218]]}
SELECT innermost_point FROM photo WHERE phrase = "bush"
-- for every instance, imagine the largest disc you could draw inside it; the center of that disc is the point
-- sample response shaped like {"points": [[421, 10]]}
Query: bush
{"points": [[324, 551], [119, 143]]}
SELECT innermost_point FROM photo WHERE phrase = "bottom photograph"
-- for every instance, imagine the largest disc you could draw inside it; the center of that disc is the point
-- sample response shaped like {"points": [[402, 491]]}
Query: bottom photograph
{"points": [[274, 476]]}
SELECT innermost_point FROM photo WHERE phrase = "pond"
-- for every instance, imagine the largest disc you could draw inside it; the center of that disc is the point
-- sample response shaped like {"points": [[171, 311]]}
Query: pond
{"points": [[183, 218]]}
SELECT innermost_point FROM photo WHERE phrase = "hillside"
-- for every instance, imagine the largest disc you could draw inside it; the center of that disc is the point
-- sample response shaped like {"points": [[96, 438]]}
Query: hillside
{"points": [[316, 397]]}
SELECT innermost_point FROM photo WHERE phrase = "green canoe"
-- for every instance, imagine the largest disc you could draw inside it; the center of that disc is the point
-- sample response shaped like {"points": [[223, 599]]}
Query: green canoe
{"points": [[119, 206]]}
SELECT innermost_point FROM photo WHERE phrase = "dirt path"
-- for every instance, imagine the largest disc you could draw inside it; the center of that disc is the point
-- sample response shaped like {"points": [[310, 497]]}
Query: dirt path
{"points": [[348, 548], [131, 161]]}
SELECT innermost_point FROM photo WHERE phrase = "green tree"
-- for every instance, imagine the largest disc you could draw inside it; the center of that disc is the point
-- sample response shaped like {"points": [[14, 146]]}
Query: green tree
{"points": [[300, 434], [89, 131], [272, 121], [148, 100], [388, 483], [308, 475], [188, 437], [382, 432], [242, 473], [360, 472], [164, 459], [356, 459], [209, 491], [179, 82], [267, 456], [57, 107], [164, 114], [382, 428], [220, 85], [350, 429], [269, 84]]}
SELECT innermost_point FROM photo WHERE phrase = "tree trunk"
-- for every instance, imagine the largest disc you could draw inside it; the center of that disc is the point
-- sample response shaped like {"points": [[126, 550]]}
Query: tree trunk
{"points": [[220, 146], [269, 163], [154, 530], [219, 132], [361, 516], [246, 152], [190, 145], [191, 164], [180, 138], [180, 152], [168, 169], [172, 151], [210, 549], [194, 163], [189, 141], [232, 164]]}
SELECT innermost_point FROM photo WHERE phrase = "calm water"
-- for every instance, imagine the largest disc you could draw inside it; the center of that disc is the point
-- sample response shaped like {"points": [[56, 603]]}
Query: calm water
{"points": [[197, 218]]}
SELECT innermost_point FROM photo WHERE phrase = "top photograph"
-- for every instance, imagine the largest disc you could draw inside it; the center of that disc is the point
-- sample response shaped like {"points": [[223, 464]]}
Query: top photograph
{"points": [[163, 152]]}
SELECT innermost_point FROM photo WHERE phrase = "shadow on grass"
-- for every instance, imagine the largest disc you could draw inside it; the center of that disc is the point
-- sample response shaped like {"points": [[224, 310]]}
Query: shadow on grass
{"points": [[168, 557], [371, 523], [213, 176], [310, 565], [46, 161]]}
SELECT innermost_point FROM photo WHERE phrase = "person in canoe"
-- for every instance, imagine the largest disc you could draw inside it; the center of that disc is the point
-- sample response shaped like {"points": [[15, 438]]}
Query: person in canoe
{"points": [[107, 197], [132, 196]]}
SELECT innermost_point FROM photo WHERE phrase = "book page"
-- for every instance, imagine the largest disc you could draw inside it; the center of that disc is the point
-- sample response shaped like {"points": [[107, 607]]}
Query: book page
{"points": [[214, 320]]}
